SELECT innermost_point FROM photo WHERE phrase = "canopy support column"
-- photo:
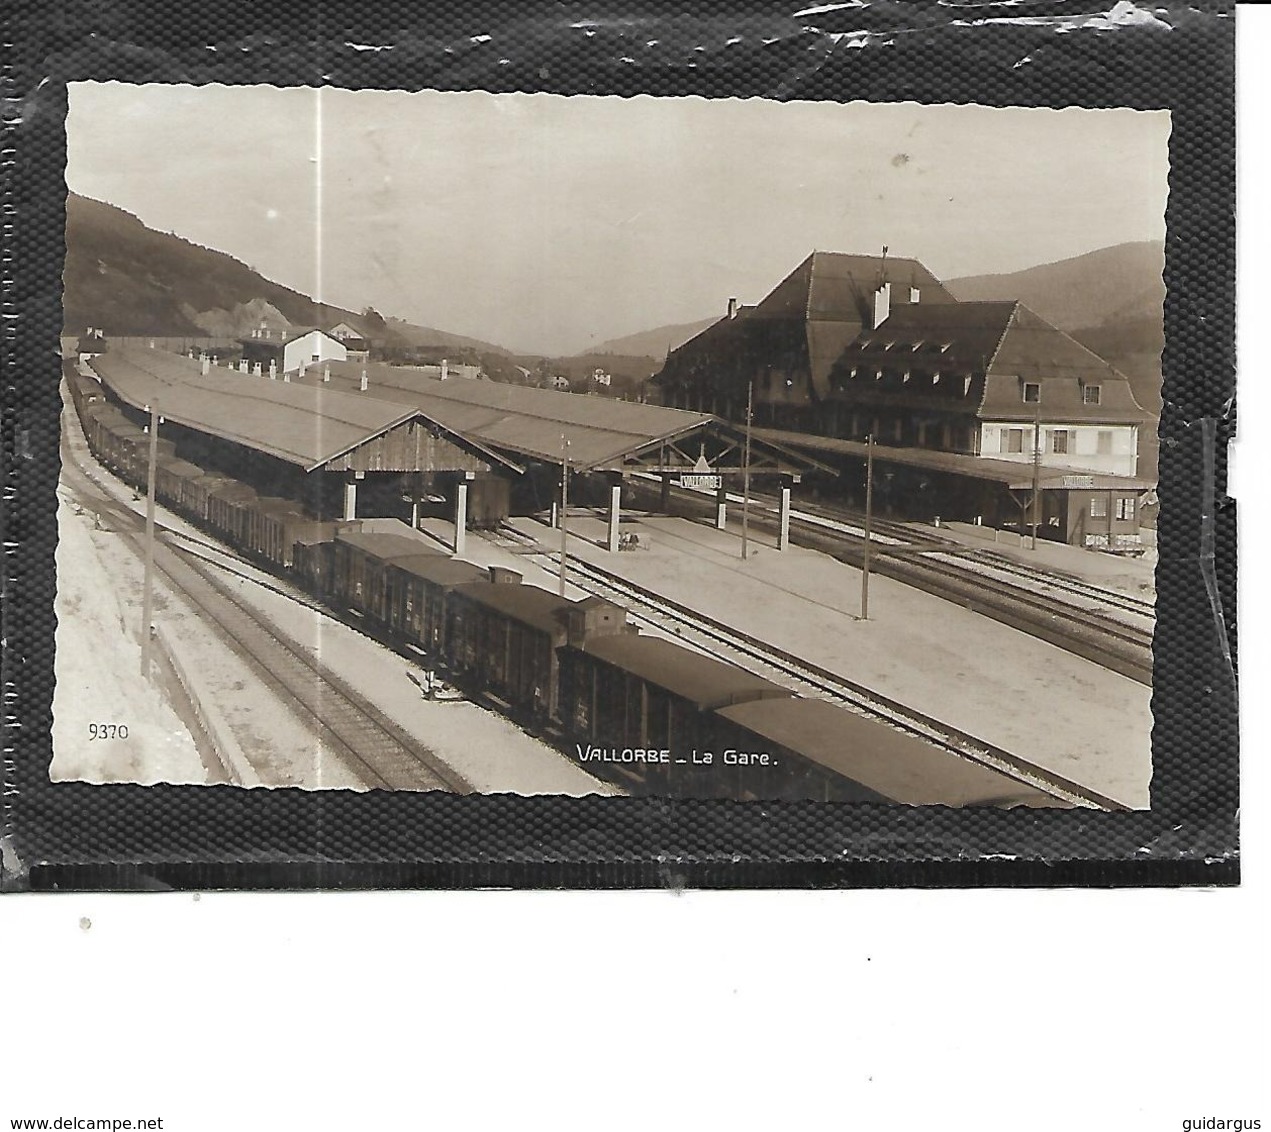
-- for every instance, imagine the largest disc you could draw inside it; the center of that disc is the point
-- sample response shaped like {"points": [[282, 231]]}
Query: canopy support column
{"points": [[664, 502], [783, 535], [350, 498], [615, 506], [461, 517], [721, 508]]}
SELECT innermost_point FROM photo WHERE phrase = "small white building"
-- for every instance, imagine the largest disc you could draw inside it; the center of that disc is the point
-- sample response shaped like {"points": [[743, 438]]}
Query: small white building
{"points": [[300, 348], [312, 346]]}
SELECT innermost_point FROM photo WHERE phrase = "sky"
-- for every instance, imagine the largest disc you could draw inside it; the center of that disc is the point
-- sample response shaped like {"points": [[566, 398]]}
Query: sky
{"points": [[549, 224]]}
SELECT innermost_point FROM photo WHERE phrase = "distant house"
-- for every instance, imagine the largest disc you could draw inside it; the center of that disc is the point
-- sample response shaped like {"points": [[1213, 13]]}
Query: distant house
{"points": [[357, 348], [599, 377], [91, 343], [560, 382], [302, 347]]}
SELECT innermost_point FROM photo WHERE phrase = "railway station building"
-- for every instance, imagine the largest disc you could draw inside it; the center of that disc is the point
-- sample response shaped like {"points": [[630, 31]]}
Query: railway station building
{"points": [[351, 440], [849, 347], [338, 454]]}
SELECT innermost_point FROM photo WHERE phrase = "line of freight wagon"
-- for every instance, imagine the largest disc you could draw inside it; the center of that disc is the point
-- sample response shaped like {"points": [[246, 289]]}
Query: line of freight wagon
{"points": [[644, 712]]}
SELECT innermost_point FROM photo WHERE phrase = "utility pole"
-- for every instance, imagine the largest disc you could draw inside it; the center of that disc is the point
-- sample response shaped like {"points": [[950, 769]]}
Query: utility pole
{"points": [[564, 508], [1037, 460], [745, 474], [869, 520], [147, 585]]}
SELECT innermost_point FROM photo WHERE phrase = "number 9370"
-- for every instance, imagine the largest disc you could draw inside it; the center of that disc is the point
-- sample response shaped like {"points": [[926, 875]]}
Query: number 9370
{"points": [[108, 731]]}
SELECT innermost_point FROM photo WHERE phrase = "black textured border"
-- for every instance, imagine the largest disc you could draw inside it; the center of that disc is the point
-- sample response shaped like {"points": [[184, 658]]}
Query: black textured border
{"points": [[79, 836]]}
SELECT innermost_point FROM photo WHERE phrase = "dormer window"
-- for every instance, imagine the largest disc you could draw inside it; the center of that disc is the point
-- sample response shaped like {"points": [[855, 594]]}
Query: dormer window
{"points": [[1091, 394], [1032, 393]]}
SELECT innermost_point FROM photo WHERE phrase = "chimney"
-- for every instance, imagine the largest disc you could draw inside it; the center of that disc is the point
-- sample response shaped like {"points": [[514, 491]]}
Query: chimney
{"points": [[445, 368], [256, 370], [362, 385], [732, 307], [882, 305], [326, 373], [504, 575], [205, 365]]}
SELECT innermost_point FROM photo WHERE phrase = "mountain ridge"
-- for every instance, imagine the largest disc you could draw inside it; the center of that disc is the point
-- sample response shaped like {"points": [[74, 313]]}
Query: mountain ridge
{"points": [[130, 279]]}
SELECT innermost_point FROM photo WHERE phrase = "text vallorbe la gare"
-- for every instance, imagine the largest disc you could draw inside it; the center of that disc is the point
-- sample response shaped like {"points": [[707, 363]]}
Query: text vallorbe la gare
{"points": [[663, 756]]}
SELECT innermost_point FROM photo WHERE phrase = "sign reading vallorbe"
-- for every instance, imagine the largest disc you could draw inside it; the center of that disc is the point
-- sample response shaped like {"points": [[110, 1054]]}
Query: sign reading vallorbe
{"points": [[701, 482]]}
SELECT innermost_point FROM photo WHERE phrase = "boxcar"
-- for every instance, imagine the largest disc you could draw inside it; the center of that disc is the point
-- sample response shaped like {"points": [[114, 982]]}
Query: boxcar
{"points": [[96, 420], [504, 637], [118, 439], [171, 476], [84, 391], [417, 592], [134, 454], [274, 524], [628, 694], [226, 513], [313, 561], [358, 561], [807, 748], [198, 492]]}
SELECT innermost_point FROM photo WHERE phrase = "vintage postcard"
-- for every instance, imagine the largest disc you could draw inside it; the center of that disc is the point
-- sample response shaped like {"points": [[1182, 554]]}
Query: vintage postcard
{"points": [[536, 444]]}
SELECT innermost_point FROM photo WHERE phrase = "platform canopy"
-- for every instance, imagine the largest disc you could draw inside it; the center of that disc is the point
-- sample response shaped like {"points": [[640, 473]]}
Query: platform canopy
{"points": [[315, 428], [1016, 475], [602, 434]]}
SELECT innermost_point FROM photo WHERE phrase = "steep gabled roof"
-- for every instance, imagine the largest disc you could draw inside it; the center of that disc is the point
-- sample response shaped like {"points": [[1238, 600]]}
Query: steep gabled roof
{"points": [[839, 286], [961, 338], [1032, 350]]}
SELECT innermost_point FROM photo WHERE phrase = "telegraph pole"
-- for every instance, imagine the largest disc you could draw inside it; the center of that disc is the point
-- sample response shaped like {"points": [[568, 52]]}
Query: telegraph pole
{"points": [[869, 520], [147, 585], [745, 474], [564, 508], [1037, 461]]}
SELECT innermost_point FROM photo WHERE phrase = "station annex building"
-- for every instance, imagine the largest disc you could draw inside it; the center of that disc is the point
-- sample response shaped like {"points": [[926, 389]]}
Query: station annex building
{"points": [[973, 406], [350, 440]]}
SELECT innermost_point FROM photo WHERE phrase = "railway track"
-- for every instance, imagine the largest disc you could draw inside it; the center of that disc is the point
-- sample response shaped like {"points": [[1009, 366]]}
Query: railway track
{"points": [[929, 544], [375, 750], [1105, 640], [717, 639]]}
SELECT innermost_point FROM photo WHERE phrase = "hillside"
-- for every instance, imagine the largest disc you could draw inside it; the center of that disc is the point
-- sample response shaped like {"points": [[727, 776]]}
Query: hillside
{"points": [[652, 343], [131, 280], [1118, 283]]}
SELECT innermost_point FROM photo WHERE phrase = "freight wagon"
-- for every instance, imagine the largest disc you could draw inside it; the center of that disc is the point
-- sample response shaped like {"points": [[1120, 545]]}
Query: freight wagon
{"points": [[171, 477], [274, 526], [226, 515], [418, 590], [358, 560], [627, 692], [506, 636], [808, 748]]}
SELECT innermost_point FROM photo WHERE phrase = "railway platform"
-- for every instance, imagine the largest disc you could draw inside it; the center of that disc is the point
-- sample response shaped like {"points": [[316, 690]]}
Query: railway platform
{"points": [[1064, 713]]}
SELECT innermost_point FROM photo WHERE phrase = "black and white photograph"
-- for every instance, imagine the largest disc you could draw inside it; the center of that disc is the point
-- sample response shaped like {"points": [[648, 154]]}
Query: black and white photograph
{"points": [[568, 445]]}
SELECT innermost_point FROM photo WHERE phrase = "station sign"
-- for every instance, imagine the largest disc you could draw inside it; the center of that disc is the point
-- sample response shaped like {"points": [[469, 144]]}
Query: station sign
{"points": [[701, 482], [1078, 481]]}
